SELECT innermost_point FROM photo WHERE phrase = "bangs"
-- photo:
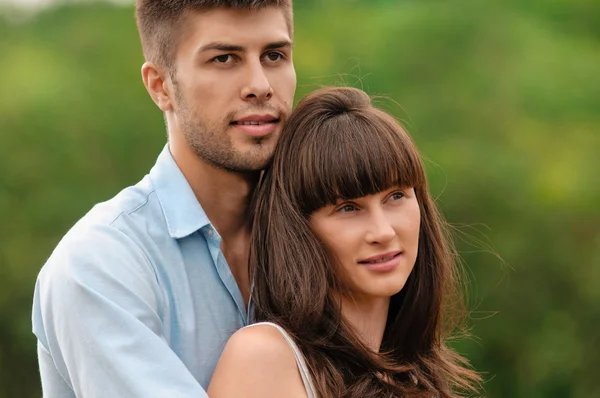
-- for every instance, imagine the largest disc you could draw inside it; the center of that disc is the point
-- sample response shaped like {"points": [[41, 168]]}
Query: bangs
{"points": [[352, 155]]}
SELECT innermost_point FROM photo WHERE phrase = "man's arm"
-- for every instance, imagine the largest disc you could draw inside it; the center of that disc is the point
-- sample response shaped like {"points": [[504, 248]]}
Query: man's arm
{"points": [[97, 318]]}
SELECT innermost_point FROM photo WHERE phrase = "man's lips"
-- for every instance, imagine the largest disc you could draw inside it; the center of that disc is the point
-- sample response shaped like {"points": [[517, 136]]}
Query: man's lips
{"points": [[256, 125], [254, 120]]}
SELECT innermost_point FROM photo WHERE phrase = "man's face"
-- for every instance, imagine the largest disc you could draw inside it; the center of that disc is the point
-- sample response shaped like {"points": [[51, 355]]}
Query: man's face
{"points": [[234, 85]]}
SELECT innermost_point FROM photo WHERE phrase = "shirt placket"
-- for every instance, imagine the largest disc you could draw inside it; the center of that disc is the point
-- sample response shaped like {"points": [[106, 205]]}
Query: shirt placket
{"points": [[214, 243]]}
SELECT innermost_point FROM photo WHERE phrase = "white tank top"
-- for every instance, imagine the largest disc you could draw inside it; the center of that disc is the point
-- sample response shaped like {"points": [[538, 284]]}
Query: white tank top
{"points": [[300, 361]]}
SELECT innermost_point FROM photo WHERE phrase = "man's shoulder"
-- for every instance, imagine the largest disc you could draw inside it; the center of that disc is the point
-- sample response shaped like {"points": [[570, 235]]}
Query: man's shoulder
{"points": [[136, 202], [136, 205], [118, 226]]}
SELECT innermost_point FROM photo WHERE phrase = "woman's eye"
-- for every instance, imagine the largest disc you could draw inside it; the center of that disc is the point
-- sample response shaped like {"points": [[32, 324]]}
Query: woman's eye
{"points": [[346, 209], [397, 195]]}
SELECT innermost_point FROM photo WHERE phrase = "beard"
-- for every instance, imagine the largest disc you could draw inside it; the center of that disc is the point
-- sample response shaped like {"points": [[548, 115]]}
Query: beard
{"points": [[212, 143]]}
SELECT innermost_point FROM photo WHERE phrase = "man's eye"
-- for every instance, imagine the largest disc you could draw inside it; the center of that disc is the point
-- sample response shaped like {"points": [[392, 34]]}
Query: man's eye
{"points": [[274, 56], [222, 59]]}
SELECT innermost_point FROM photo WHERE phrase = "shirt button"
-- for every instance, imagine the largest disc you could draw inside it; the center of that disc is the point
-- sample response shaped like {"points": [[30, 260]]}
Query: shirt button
{"points": [[209, 232]]}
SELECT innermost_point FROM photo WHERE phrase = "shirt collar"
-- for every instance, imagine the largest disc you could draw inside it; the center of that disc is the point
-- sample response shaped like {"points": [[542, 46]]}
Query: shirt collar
{"points": [[183, 212]]}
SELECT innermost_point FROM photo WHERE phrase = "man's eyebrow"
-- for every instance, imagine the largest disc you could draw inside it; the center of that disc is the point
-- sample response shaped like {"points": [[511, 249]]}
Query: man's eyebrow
{"points": [[233, 48], [221, 47], [278, 44]]}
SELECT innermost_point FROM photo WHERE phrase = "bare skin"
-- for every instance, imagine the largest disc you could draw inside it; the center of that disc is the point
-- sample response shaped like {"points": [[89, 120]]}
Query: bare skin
{"points": [[262, 364], [367, 319]]}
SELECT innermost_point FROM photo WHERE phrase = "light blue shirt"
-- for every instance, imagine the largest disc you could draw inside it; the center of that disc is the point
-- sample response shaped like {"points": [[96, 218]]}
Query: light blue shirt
{"points": [[137, 300]]}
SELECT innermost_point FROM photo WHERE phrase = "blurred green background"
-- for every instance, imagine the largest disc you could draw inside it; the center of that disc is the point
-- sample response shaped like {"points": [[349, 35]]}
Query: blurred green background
{"points": [[502, 97]]}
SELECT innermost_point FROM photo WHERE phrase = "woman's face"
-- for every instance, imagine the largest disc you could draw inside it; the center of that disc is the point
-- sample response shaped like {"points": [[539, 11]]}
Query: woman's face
{"points": [[375, 238]]}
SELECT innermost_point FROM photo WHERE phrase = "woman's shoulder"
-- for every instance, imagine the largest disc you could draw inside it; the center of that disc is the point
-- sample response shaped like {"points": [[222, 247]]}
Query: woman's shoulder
{"points": [[262, 363], [265, 339]]}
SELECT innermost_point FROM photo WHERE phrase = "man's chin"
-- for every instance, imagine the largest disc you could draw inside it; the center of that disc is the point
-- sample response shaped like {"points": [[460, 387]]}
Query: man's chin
{"points": [[250, 163], [258, 165]]}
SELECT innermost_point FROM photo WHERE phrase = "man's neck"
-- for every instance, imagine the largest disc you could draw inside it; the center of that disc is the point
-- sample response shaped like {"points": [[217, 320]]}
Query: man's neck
{"points": [[368, 318], [224, 195]]}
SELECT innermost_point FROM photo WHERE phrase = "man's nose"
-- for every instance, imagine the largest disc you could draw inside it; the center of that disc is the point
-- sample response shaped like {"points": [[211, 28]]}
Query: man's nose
{"points": [[257, 87]]}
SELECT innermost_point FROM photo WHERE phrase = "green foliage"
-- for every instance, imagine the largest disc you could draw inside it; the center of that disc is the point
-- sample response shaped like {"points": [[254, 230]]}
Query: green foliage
{"points": [[502, 97]]}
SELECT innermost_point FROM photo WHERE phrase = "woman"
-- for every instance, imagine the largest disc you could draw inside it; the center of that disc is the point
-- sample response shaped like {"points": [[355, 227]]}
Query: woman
{"points": [[353, 270]]}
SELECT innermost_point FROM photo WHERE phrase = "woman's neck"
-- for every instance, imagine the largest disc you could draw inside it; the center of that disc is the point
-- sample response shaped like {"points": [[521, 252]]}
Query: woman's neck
{"points": [[368, 319]]}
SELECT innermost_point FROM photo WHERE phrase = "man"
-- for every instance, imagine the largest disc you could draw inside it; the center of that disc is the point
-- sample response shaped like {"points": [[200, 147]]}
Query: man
{"points": [[140, 297]]}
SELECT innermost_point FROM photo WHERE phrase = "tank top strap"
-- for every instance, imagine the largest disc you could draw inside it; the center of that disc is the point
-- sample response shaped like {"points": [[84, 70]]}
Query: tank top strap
{"points": [[300, 361]]}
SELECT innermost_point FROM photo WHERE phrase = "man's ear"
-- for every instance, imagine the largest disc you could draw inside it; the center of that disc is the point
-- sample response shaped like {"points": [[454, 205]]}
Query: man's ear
{"points": [[157, 81]]}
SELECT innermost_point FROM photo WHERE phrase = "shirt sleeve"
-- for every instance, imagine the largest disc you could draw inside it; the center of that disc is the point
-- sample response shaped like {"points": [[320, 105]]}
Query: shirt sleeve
{"points": [[96, 315]]}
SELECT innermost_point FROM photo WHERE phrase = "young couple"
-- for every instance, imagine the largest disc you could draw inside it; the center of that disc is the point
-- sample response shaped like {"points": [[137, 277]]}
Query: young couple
{"points": [[329, 274]]}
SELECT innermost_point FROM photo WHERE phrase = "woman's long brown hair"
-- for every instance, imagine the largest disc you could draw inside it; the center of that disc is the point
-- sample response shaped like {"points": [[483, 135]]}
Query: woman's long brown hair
{"points": [[337, 145]]}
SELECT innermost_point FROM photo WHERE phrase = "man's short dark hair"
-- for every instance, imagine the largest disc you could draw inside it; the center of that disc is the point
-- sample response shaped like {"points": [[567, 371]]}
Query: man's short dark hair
{"points": [[160, 22]]}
